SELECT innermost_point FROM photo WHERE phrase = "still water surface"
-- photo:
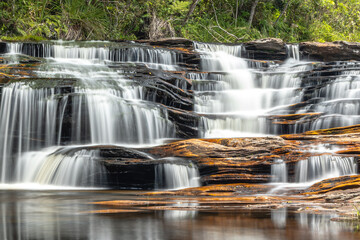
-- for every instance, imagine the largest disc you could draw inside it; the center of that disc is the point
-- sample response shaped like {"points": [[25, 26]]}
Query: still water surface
{"points": [[64, 215]]}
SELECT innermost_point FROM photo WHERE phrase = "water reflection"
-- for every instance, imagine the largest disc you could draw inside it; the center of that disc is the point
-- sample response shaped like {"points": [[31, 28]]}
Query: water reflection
{"points": [[320, 224], [184, 213], [278, 216], [63, 215]]}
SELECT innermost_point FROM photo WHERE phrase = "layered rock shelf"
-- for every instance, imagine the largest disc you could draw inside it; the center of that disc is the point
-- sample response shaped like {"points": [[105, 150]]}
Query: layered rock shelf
{"points": [[235, 174]]}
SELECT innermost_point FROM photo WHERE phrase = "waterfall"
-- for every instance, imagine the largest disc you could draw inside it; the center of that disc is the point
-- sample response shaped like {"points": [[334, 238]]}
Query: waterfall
{"points": [[279, 171], [176, 175], [235, 50], [308, 171], [315, 168], [54, 166], [101, 105], [236, 98], [293, 51], [325, 166], [233, 98], [110, 119], [109, 107], [27, 122], [341, 101], [134, 53]]}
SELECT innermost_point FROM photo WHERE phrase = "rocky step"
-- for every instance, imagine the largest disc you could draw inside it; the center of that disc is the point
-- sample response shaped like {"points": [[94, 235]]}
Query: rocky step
{"points": [[330, 51], [262, 49]]}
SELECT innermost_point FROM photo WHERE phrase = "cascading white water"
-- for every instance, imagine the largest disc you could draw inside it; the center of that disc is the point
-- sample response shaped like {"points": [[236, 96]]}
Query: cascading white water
{"points": [[235, 50], [135, 53], [279, 171], [114, 120], [233, 99], [54, 166], [293, 51], [176, 175], [14, 48], [27, 122], [307, 172], [325, 166], [105, 108], [110, 107], [315, 168], [341, 102]]}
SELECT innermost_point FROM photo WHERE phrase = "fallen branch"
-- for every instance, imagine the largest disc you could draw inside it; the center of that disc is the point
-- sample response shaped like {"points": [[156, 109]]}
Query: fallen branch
{"points": [[210, 33]]}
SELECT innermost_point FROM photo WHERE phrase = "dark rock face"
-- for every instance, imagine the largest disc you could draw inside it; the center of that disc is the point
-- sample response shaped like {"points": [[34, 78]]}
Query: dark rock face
{"points": [[186, 122], [274, 49], [335, 51], [128, 168], [170, 42], [2, 47], [266, 49]]}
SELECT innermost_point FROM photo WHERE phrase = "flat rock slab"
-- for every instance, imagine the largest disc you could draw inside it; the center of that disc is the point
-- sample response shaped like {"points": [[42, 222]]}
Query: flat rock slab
{"points": [[330, 51]]}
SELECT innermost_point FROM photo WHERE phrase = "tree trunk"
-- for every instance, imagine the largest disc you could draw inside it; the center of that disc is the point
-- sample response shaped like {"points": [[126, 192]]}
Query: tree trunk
{"points": [[191, 10], [283, 12], [252, 13], [237, 10]]}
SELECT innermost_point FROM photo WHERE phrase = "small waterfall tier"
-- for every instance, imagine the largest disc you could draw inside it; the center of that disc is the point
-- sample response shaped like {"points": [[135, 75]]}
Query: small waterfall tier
{"points": [[235, 97], [315, 168], [279, 171], [293, 51], [235, 50], [328, 98], [324, 166], [61, 167], [101, 51], [176, 174]]}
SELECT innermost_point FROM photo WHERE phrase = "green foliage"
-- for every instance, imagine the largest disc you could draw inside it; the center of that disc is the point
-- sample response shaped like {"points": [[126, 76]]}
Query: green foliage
{"points": [[223, 20], [31, 38]]}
